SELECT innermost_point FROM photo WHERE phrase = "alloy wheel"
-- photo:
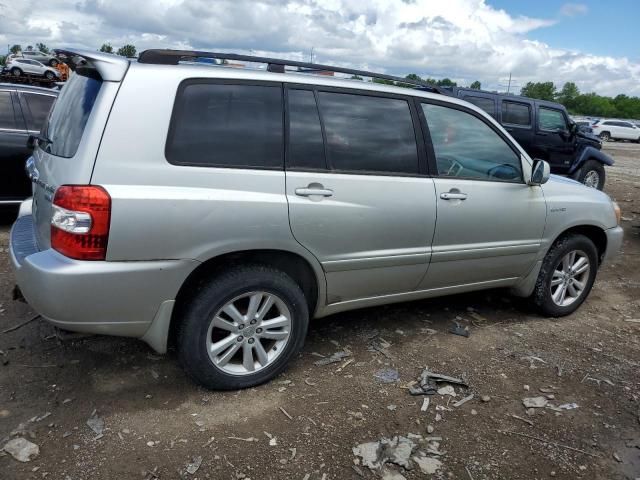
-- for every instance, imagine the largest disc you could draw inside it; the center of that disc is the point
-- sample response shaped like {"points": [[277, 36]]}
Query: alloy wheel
{"points": [[248, 333], [592, 179], [570, 278]]}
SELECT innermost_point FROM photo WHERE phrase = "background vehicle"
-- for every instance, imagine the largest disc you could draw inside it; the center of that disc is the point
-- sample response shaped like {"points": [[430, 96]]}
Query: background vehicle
{"points": [[19, 66], [23, 111], [41, 57], [302, 195], [545, 131], [616, 130]]}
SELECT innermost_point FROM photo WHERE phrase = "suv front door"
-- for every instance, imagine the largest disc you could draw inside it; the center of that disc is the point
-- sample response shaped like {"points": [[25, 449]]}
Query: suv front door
{"points": [[553, 140], [359, 199], [490, 223]]}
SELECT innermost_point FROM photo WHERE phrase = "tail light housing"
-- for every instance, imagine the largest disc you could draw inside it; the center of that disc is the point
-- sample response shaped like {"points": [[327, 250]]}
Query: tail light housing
{"points": [[80, 221]]}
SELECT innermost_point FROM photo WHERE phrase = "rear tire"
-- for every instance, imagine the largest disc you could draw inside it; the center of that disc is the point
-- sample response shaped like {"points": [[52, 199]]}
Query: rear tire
{"points": [[49, 75], [592, 174], [233, 351], [53, 62], [605, 136], [558, 272], [16, 72]]}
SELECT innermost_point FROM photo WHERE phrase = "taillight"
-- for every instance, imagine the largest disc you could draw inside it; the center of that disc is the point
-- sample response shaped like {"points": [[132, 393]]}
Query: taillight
{"points": [[80, 221]]}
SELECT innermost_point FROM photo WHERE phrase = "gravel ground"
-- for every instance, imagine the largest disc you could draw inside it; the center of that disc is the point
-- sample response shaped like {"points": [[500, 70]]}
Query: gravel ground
{"points": [[304, 424]]}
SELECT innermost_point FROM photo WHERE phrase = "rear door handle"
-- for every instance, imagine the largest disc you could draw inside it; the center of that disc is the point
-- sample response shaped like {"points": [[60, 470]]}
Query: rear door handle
{"points": [[307, 192], [453, 196]]}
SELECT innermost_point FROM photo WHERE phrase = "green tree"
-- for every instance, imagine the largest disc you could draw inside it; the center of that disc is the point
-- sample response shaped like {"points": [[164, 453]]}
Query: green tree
{"points": [[446, 82], [15, 49], [568, 95], [3, 59], [106, 48], [41, 47], [539, 90], [127, 50], [476, 85]]}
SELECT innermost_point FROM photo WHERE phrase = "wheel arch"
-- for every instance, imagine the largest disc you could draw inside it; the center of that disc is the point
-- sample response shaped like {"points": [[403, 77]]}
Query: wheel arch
{"points": [[293, 264], [594, 233]]}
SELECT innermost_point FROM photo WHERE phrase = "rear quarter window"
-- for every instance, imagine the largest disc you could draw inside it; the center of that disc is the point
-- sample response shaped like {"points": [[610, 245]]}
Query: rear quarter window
{"points": [[486, 104], [38, 107], [516, 113], [226, 125]]}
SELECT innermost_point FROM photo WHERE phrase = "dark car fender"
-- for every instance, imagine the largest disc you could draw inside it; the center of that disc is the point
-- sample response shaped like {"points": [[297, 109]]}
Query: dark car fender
{"points": [[590, 153]]}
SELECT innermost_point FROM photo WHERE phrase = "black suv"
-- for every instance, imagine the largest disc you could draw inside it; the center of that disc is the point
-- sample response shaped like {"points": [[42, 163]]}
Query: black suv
{"points": [[545, 131], [23, 110]]}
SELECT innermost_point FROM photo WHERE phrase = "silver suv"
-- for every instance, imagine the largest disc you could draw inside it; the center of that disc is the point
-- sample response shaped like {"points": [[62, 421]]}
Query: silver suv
{"points": [[218, 209]]}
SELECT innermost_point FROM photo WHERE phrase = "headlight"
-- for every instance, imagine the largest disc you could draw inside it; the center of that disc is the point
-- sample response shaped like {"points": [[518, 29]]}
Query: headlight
{"points": [[616, 210]]}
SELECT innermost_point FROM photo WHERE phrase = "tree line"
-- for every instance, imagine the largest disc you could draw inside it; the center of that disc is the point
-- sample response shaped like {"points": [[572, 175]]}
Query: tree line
{"points": [[127, 50]]}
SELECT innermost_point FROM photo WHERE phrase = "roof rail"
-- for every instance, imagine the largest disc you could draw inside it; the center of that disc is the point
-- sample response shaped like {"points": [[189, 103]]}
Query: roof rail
{"points": [[110, 67], [276, 65]]}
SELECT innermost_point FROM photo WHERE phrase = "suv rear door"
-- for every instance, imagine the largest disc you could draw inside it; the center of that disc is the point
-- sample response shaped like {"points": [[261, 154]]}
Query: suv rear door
{"points": [[358, 195], [13, 149], [516, 116]]}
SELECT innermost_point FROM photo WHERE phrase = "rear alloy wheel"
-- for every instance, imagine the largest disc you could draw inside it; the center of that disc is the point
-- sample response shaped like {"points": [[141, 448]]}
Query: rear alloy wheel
{"points": [[49, 75], [567, 275], [605, 136], [592, 174], [16, 72], [242, 327]]}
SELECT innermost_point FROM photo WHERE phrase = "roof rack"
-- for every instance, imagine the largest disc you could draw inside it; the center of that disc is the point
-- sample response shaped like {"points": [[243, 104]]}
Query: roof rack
{"points": [[276, 65]]}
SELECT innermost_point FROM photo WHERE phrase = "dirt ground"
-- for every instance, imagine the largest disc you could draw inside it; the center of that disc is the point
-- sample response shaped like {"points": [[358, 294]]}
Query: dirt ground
{"points": [[156, 421]]}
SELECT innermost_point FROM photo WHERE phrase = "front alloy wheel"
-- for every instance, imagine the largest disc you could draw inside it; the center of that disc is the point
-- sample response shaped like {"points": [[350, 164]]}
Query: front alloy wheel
{"points": [[570, 278], [592, 179]]}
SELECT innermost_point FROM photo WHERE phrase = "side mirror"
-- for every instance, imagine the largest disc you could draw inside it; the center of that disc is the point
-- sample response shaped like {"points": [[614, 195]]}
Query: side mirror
{"points": [[540, 172]]}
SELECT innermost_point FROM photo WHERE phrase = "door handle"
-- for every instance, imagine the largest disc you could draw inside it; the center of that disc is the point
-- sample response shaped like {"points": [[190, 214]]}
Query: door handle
{"points": [[308, 191], [453, 196]]}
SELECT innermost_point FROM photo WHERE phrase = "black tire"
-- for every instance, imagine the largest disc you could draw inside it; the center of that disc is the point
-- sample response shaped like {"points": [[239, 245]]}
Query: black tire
{"points": [[213, 295], [53, 62], [605, 136], [49, 75], [16, 72], [589, 169], [541, 297]]}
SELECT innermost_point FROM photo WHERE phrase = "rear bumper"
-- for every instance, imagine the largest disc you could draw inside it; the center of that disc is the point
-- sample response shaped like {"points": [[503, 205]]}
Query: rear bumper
{"points": [[614, 243], [112, 298]]}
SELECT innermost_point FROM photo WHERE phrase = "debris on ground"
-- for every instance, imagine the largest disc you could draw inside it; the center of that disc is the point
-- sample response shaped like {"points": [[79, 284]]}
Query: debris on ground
{"points": [[194, 465], [95, 423], [379, 345], [459, 403], [568, 406], [334, 358], [22, 449], [447, 390], [387, 375], [535, 402], [427, 384], [425, 404], [458, 329], [485, 398]]}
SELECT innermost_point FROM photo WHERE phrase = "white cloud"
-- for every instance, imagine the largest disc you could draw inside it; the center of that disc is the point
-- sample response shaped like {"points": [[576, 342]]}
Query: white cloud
{"points": [[461, 39], [573, 9]]}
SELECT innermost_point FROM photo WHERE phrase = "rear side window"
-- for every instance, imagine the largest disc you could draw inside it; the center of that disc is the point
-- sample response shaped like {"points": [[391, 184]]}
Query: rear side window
{"points": [[38, 107], [70, 115], [516, 114], [224, 125], [7, 118], [486, 104], [306, 149], [367, 133], [549, 119]]}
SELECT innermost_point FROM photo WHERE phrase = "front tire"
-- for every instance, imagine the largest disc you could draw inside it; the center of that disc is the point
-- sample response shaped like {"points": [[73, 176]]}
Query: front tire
{"points": [[592, 174], [16, 72], [242, 327], [49, 75], [566, 277]]}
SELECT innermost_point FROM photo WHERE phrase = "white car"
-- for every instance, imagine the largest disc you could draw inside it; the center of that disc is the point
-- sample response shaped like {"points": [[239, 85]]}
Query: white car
{"points": [[616, 130], [19, 66]]}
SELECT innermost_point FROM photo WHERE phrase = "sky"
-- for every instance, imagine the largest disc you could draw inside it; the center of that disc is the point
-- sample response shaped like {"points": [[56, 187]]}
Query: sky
{"points": [[589, 42]]}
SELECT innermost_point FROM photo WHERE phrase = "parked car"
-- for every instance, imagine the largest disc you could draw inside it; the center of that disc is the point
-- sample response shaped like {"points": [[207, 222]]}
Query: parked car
{"points": [[545, 130], [616, 130], [23, 111], [41, 57], [19, 66], [584, 126], [221, 217]]}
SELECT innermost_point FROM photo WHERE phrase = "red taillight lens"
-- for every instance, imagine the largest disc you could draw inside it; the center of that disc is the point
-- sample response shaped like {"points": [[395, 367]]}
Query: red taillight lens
{"points": [[80, 221]]}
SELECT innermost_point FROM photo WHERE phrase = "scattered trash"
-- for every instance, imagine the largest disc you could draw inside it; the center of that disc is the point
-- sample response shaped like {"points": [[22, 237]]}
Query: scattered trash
{"points": [[430, 429], [387, 375], [426, 464], [286, 413], [631, 320], [485, 398], [20, 325], [22, 449], [425, 404], [309, 382], [335, 358], [249, 439], [567, 447], [458, 329], [447, 390], [459, 403], [392, 407], [380, 345], [522, 419], [568, 406], [95, 423], [273, 441], [535, 402], [617, 457], [194, 465], [428, 380]]}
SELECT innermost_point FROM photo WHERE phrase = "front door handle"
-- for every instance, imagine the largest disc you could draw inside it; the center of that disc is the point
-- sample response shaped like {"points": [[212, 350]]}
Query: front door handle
{"points": [[313, 190], [453, 196]]}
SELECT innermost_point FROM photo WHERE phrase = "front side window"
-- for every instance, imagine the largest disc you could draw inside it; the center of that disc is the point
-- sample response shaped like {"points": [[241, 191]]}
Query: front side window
{"points": [[306, 148], [7, 118], [226, 125], [38, 107], [516, 114], [466, 147], [549, 119], [367, 133]]}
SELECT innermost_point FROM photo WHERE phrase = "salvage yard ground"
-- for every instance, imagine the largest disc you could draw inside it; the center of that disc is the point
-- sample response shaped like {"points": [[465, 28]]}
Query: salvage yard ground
{"points": [[148, 421]]}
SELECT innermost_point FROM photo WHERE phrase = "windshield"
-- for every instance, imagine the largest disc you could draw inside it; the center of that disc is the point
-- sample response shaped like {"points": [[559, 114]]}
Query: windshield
{"points": [[69, 116]]}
